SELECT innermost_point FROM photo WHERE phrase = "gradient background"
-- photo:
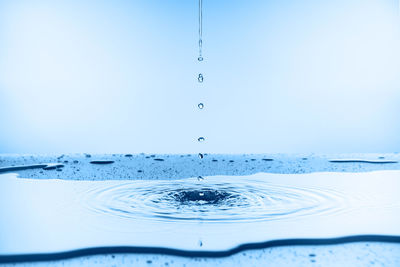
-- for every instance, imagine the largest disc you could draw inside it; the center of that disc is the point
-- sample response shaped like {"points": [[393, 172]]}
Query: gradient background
{"points": [[120, 76]]}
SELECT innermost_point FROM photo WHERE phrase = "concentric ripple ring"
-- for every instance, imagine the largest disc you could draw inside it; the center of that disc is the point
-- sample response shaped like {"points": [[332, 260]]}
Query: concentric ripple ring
{"points": [[213, 200]]}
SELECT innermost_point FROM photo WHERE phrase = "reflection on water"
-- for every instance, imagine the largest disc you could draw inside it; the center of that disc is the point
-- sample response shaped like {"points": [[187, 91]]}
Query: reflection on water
{"points": [[220, 199], [42, 216]]}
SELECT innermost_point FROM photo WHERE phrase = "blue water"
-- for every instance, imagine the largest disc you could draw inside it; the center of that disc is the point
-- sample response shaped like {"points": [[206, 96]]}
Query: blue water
{"points": [[52, 216]]}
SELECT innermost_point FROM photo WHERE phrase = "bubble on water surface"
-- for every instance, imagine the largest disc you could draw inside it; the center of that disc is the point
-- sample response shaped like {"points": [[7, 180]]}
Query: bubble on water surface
{"points": [[200, 105], [201, 139]]}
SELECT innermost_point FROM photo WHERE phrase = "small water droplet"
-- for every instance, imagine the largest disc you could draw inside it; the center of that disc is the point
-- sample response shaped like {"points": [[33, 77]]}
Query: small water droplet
{"points": [[201, 155], [200, 78], [201, 194], [201, 139], [200, 105], [200, 58], [200, 178]]}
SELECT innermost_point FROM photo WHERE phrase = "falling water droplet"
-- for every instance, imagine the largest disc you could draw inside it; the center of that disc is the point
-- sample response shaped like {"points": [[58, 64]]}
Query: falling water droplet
{"points": [[200, 178], [200, 78], [200, 105], [200, 58], [201, 139], [201, 155]]}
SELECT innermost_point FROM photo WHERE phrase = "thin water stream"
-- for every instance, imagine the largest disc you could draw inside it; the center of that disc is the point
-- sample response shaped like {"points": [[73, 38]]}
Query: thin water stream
{"points": [[200, 78]]}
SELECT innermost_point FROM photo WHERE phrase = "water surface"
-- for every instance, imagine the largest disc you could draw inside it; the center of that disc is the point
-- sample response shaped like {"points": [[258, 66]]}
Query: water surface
{"points": [[48, 216]]}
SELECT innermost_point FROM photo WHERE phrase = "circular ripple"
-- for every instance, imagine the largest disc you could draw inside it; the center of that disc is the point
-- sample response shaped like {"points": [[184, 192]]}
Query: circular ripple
{"points": [[211, 201]]}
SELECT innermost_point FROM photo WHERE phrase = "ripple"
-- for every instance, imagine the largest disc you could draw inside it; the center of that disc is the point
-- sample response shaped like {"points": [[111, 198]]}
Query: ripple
{"points": [[214, 201]]}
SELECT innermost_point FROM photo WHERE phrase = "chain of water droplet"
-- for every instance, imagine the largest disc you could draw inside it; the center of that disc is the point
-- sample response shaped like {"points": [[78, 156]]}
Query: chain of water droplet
{"points": [[200, 77]]}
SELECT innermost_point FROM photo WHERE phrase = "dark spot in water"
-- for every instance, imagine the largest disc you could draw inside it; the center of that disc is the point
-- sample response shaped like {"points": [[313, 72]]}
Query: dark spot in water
{"points": [[231, 161], [253, 159], [208, 196], [102, 162], [65, 161], [381, 157], [153, 156], [147, 157], [312, 260], [267, 159], [246, 160], [214, 160], [304, 158], [60, 157], [75, 161], [139, 171], [113, 256], [58, 169], [200, 243], [53, 167], [311, 255], [88, 155], [149, 262], [159, 159], [128, 155]]}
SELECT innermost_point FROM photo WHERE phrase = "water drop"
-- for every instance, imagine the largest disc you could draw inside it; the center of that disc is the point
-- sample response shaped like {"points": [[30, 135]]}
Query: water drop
{"points": [[201, 194], [201, 139], [200, 178], [201, 155], [200, 78], [200, 58], [200, 105]]}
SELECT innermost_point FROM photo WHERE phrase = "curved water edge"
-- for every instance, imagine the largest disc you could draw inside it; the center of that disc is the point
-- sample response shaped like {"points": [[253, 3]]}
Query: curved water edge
{"points": [[373, 161], [44, 166], [196, 253]]}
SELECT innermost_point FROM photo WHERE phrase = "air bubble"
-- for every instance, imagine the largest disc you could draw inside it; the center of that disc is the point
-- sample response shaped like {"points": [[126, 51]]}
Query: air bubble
{"points": [[201, 139], [200, 105], [200, 178], [201, 155], [200, 58]]}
